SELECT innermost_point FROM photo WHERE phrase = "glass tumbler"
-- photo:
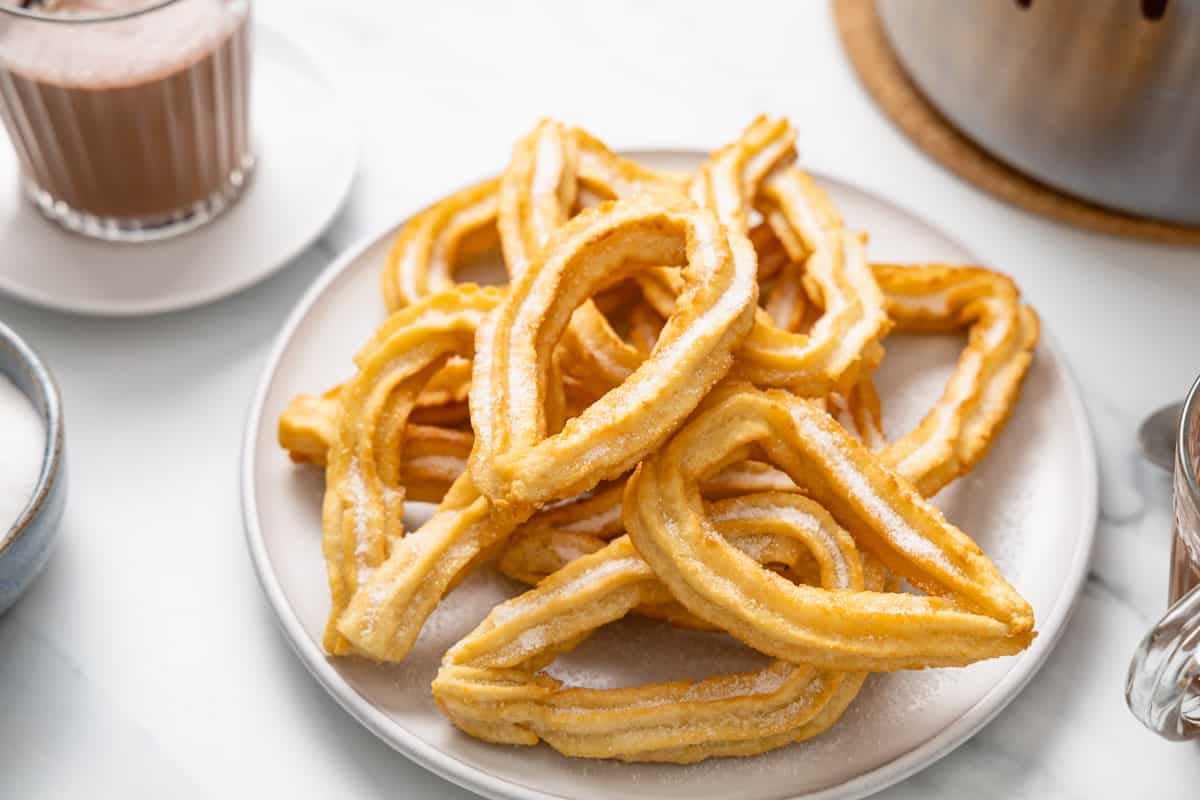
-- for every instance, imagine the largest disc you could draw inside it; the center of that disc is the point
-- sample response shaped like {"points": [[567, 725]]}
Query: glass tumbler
{"points": [[1163, 689], [129, 117]]}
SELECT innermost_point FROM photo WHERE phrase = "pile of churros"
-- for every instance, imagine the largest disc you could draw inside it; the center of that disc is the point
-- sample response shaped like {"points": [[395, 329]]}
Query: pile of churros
{"points": [[668, 411]]}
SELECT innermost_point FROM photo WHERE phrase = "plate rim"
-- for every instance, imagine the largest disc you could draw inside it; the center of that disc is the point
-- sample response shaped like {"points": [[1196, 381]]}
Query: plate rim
{"points": [[417, 750], [262, 33]]}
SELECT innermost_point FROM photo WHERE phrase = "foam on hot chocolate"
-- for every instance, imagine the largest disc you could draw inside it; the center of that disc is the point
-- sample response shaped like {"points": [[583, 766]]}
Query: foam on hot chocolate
{"points": [[118, 52]]}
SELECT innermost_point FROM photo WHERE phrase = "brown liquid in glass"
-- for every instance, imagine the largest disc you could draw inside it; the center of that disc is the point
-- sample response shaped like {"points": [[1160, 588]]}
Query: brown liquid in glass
{"points": [[1185, 572], [1185, 541], [136, 131]]}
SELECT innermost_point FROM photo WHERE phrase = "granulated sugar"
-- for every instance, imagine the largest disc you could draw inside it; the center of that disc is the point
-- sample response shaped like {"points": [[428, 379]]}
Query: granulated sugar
{"points": [[22, 440]]}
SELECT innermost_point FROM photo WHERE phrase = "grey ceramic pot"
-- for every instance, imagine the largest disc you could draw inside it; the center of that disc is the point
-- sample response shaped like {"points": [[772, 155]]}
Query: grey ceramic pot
{"points": [[25, 548], [1098, 98]]}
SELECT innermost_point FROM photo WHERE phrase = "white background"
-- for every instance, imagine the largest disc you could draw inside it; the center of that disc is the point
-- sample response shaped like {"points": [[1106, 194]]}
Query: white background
{"points": [[146, 661]]}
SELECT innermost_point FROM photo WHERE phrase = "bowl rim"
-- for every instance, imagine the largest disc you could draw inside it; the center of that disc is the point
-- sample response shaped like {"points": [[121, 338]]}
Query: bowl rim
{"points": [[53, 419]]}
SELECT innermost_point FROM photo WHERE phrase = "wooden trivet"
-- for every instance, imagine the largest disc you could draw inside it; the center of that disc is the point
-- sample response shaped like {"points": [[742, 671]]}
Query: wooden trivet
{"points": [[881, 73]]}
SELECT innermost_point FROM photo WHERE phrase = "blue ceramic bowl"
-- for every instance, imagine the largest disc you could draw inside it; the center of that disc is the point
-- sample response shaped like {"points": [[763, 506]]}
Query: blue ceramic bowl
{"points": [[25, 548]]}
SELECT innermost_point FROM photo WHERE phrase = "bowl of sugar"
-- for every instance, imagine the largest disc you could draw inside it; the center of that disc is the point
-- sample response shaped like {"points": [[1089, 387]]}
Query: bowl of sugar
{"points": [[33, 474]]}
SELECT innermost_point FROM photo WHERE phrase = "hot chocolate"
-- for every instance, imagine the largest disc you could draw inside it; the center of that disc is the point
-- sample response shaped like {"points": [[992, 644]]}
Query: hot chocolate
{"points": [[1185, 546], [129, 117]]}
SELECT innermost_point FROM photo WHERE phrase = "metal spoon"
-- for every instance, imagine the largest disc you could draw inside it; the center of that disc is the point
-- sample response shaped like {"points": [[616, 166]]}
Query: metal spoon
{"points": [[1157, 436]]}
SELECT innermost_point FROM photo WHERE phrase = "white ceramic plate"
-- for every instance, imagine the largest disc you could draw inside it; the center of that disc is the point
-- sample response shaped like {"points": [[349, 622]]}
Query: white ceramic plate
{"points": [[292, 198], [1031, 505]]}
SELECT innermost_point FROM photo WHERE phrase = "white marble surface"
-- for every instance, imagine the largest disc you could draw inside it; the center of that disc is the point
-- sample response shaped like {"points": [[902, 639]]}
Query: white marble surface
{"points": [[146, 663]]}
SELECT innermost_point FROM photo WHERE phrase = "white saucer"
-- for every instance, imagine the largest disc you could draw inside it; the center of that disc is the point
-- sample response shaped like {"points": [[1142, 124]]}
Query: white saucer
{"points": [[1031, 505], [307, 153]]}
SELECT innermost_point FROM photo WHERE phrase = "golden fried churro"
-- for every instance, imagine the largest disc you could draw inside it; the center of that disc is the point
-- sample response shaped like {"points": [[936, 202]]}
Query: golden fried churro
{"points": [[449, 415], [513, 459], [308, 425], [772, 257], [645, 324], [560, 533], [611, 177], [859, 411], [448, 387], [831, 355], [982, 391], [537, 196], [432, 457], [539, 187], [970, 612], [385, 615], [729, 181], [422, 260], [563, 532], [537, 193], [364, 493], [753, 171], [491, 687]]}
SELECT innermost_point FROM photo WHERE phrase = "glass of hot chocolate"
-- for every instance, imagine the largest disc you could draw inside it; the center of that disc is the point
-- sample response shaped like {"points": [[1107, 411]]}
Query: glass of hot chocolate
{"points": [[129, 117], [1163, 688]]}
